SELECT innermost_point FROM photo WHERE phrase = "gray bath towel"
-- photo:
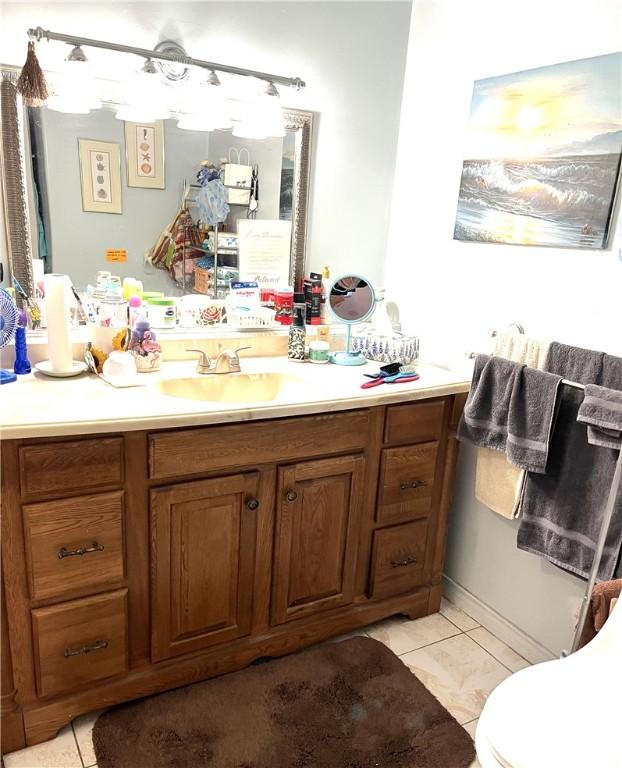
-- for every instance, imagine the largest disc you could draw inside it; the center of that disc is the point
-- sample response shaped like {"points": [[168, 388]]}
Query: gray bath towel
{"points": [[510, 408], [484, 420], [601, 410], [530, 418], [562, 510]]}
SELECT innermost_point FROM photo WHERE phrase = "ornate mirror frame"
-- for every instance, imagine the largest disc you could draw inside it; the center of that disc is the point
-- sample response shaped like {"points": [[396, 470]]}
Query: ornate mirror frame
{"points": [[15, 194]]}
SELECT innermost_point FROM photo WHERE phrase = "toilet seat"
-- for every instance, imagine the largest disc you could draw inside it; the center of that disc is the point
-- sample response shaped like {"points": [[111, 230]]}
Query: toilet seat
{"points": [[559, 714]]}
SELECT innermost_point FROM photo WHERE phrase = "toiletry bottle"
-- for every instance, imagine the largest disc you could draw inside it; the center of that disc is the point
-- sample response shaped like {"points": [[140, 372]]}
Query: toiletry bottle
{"points": [[283, 302], [324, 311], [22, 363], [313, 295], [297, 331], [134, 310]]}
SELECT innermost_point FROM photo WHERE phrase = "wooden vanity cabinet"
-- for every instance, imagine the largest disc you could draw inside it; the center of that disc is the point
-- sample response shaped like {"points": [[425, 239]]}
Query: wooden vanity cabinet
{"points": [[318, 504], [203, 539], [134, 563]]}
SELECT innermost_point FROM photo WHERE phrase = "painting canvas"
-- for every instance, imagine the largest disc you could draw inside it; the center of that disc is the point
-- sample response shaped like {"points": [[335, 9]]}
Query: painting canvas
{"points": [[100, 175], [543, 156]]}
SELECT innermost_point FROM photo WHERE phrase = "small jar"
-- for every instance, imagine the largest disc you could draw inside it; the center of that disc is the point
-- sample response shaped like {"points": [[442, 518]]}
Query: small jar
{"points": [[162, 312], [318, 351]]}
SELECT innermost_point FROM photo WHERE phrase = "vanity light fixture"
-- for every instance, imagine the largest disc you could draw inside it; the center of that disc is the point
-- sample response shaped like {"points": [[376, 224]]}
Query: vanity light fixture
{"points": [[263, 117], [74, 90], [169, 57], [145, 97], [203, 106]]}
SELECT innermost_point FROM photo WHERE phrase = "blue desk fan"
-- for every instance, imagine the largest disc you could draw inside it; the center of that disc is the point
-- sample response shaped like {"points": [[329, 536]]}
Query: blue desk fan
{"points": [[8, 326]]}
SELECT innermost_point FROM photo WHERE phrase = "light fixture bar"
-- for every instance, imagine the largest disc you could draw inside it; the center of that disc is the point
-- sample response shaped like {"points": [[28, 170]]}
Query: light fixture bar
{"points": [[39, 33]]}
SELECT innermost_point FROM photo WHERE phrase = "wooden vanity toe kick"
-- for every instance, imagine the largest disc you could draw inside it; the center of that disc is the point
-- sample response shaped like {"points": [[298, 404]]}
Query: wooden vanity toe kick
{"points": [[44, 720]]}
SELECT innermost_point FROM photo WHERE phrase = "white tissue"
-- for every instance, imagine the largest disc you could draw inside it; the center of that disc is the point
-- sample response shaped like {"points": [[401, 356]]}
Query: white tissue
{"points": [[58, 321]]}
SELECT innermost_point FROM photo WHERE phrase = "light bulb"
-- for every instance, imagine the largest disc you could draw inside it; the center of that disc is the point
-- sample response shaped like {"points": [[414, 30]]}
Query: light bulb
{"points": [[262, 118], [145, 97], [203, 105], [74, 89]]}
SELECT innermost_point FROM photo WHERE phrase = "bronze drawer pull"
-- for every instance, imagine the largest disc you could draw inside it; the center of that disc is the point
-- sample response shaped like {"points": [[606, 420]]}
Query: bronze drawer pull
{"points": [[98, 645], [95, 547], [410, 560], [252, 504], [291, 496], [412, 485]]}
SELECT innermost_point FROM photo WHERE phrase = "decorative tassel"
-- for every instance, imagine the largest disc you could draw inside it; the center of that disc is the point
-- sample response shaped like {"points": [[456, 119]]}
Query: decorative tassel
{"points": [[31, 83]]}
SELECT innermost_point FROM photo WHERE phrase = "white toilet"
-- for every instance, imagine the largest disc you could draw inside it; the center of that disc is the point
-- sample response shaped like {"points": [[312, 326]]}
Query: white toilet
{"points": [[565, 713]]}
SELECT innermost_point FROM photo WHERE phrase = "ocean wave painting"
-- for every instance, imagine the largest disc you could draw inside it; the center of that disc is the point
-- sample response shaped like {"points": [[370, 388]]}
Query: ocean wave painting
{"points": [[544, 151]]}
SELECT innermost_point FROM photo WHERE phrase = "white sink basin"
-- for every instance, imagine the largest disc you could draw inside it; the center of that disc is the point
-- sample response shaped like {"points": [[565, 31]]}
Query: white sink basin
{"points": [[231, 387]]}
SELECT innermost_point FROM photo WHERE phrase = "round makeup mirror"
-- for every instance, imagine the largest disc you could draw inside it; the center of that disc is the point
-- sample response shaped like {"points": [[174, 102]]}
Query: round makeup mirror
{"points": [[351, 300]]}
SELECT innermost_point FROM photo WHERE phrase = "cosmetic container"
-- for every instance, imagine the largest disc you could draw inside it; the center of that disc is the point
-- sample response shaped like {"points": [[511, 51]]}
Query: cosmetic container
{"points": [[297, 331]]}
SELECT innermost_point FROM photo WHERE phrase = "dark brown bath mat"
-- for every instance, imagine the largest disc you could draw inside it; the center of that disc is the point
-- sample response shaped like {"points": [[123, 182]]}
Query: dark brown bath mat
{"points": [[352, 704]]}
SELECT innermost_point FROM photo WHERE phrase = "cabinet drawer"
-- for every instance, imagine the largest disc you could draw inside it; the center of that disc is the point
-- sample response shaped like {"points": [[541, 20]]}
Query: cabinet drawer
{"points": [[74, 545], [71, 465], [398, 559], [190, 451], [414, 422], [406, 482], [80, 642]]}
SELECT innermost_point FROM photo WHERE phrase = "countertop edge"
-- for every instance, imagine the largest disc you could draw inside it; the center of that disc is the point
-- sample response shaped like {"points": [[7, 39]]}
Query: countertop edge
{"points": [[231, 415]]}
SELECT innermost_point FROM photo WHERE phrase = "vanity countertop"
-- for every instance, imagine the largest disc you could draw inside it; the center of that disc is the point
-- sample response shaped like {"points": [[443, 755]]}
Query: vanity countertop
{"points": [[38, 406]]}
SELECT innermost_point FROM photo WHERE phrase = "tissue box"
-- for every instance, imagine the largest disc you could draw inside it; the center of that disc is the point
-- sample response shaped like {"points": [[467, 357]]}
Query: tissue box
{"points": [[386, 348]]}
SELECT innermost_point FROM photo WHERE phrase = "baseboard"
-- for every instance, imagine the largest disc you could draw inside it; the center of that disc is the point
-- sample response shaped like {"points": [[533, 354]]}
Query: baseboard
{"points": [[493, 621]]}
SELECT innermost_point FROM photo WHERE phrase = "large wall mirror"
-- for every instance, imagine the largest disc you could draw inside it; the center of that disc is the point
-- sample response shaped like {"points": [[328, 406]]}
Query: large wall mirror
{"points": [[113, 214]]}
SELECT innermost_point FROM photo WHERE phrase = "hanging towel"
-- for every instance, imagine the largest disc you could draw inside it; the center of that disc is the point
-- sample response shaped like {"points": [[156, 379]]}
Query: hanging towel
{"points": [[603, 599], [510, 408], [484, 421], [562, 510], [530, 418], [601, 410], [498, 483]]}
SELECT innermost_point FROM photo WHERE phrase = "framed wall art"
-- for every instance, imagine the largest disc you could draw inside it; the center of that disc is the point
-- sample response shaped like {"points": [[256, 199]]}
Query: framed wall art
{"points": [[542, 163], [100, 176], [144, 154]]}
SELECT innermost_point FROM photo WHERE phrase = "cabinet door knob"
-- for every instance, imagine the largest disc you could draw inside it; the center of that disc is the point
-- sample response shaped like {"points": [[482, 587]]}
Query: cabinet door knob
{"points": [[412, 485], [252, 504], [409, 560], [291, 495]]}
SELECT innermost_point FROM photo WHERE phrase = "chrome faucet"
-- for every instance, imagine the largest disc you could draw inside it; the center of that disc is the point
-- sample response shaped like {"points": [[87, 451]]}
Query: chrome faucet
{"points": [[226, 362]]}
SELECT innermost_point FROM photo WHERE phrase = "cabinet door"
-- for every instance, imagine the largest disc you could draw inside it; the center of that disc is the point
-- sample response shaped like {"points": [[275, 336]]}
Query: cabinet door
{"points": [[318, 506], [203, 558]]}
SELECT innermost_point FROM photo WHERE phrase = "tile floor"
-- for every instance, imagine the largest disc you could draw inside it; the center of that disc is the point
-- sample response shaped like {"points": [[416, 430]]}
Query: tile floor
{"points": [[458, 660]]}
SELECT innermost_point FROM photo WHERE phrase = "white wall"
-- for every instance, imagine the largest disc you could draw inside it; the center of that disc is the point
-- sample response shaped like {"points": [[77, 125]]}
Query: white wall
{"points": [[351, 54], [452, 292]]}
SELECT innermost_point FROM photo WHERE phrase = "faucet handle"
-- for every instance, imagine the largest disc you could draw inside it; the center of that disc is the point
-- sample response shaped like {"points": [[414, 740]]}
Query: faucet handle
{"points": [[241, 349], [203, 363]]}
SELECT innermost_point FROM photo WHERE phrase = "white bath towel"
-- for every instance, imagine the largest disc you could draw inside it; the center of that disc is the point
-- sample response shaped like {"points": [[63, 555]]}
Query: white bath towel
{"points": [[497, 483]]}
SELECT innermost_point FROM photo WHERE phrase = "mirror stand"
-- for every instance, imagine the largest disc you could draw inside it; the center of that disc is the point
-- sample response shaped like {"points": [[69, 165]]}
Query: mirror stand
{"points": [[351, 300]]}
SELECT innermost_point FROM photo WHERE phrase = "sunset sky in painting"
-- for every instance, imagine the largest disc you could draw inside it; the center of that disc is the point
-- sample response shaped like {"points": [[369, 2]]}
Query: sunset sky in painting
{"points": [[542, 111]]}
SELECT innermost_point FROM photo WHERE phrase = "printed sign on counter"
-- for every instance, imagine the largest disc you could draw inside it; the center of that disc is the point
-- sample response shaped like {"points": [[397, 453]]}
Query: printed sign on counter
{"points": [[264, 247]]}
